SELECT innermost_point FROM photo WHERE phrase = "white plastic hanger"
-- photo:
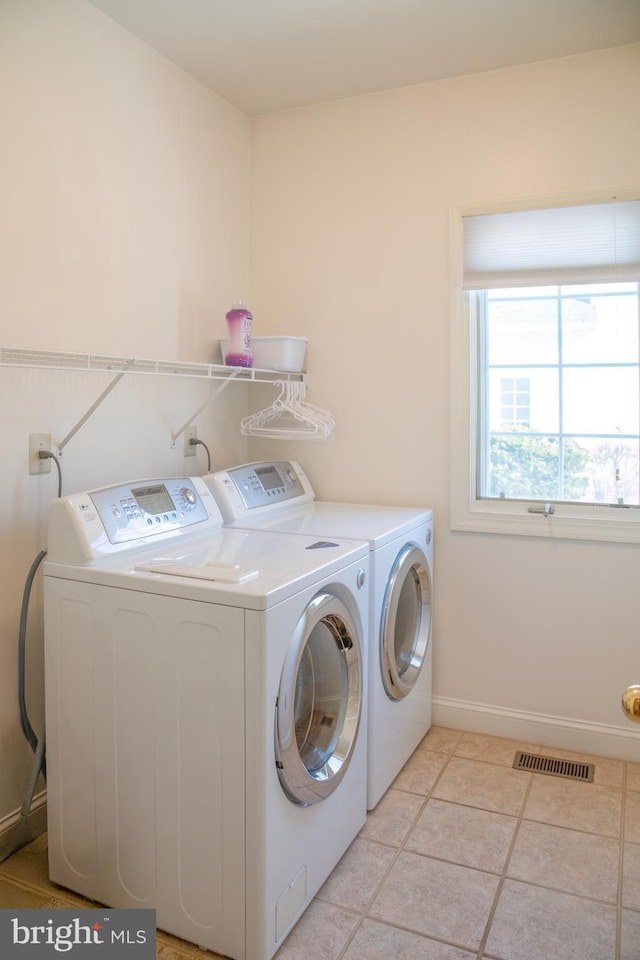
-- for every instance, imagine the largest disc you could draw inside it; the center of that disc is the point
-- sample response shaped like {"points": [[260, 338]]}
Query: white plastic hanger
{"points": [[290, 417]]}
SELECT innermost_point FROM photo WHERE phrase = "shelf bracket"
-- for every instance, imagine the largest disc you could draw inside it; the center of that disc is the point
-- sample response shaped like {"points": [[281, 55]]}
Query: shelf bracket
{"points": [[94, 406], [212, 396]]}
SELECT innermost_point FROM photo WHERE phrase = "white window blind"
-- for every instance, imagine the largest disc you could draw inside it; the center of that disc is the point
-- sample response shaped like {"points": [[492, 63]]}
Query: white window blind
{"points": [[594, 243]]}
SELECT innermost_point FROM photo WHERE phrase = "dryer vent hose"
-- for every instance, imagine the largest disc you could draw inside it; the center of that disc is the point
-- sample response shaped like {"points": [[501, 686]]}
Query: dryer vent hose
{"points": [[38, 748], [36, 768]]}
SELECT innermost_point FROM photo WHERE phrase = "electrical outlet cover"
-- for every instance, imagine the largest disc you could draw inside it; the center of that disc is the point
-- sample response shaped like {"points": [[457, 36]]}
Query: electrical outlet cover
{"points": [[37, 442], [191, 433]]}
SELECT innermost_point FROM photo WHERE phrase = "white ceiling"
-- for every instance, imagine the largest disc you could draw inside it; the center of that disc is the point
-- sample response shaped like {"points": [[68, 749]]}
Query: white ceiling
{"points": [[266, 55]]}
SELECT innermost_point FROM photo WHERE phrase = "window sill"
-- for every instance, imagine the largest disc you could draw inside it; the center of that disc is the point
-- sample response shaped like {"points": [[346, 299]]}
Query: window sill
{"points": [[511, 519]]}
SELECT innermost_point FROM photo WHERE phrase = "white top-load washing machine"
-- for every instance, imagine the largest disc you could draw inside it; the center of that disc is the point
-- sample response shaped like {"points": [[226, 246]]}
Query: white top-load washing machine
{"points": [[278, 496], [205, 711]]}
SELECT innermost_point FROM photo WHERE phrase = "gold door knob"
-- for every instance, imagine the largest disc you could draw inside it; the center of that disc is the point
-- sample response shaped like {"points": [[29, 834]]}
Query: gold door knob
{"points": [[631, 703]]}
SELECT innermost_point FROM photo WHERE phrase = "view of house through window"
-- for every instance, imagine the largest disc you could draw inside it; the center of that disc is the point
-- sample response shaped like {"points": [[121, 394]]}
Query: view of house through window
{"points": [[559, 393], [515, 408]]}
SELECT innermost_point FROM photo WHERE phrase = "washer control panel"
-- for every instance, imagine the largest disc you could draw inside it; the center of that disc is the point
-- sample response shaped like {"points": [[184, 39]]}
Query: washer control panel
{"points": [[259, 487], [85, 526], [131, 511]]}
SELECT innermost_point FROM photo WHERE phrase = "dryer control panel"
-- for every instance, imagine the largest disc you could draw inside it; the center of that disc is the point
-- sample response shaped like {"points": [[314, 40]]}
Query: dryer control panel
{"points": [[256, 488], [85, 526]]}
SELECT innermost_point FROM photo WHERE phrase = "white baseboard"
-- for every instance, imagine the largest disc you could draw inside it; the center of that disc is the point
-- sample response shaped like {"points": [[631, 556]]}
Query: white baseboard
{"points": [[600, 739], [15, 833]]}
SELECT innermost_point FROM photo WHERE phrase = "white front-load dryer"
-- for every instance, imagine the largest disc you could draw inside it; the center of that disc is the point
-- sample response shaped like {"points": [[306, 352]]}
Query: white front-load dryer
{"points": [[278, 496], [205, 710]]}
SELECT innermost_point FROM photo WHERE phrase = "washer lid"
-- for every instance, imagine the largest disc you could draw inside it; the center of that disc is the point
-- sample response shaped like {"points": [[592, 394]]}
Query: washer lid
{"points": [[377, 525], [220, 567]]}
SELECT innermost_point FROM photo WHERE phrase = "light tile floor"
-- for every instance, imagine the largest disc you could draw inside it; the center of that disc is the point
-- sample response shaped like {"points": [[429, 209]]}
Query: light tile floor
{"points": [[464, 858]]}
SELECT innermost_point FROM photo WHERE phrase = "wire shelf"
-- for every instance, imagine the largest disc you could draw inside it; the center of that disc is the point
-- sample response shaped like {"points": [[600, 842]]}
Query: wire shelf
{"points": [[123, 366], [58, 360]]}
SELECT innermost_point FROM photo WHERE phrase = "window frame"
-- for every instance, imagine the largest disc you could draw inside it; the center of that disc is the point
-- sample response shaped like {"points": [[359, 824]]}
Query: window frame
{"points": [[469, 513]]}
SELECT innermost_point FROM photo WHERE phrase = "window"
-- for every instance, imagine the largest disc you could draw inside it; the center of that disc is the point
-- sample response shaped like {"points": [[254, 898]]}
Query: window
{"points": [[563, 425], [549, 346]]}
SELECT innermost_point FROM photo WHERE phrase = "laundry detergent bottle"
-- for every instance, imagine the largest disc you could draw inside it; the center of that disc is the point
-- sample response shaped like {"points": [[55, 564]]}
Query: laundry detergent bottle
{"points": [[239, 341]]}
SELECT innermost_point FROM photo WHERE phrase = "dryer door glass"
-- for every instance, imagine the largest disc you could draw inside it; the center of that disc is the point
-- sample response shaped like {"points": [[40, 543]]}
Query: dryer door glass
{"points": [[406, 622], [320, 702]]}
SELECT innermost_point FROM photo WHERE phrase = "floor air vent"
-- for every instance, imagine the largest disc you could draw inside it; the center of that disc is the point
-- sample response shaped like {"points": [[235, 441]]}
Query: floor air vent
{"points": [[535, 763]]}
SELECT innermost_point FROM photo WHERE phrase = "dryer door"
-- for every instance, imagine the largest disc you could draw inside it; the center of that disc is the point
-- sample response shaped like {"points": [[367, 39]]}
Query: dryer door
{"points": [[405, 627], [320, 701]]}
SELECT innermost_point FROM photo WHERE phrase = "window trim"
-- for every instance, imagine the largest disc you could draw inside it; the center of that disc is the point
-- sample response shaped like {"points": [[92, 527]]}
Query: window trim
{"points": [[511, 517]]}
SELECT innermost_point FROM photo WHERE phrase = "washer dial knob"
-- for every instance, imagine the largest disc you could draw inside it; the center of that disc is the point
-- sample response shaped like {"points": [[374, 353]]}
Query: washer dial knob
{"points": [[189, 498]]}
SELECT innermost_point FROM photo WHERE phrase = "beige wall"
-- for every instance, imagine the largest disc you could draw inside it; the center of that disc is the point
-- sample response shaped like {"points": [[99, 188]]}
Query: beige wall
{"points": [[124, 191], [350, 247]]}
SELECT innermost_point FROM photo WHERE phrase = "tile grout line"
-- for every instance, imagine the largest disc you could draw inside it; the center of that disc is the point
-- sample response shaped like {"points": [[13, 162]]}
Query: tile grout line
{"points": [[620, 891], [503, 876], [364, 915]]}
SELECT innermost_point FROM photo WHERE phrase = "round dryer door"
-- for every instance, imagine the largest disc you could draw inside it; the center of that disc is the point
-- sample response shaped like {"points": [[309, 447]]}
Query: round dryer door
{"points": [[405, 627], [319, 702]]}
